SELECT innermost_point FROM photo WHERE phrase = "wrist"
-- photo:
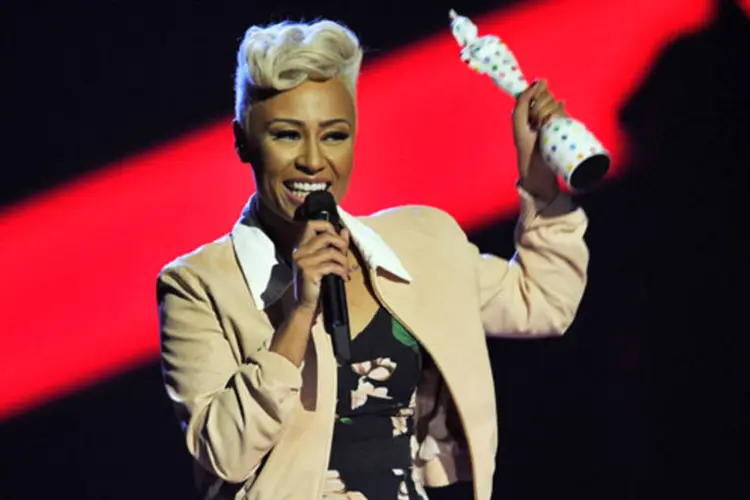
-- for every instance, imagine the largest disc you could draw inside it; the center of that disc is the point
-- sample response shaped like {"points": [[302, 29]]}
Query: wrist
{"points": [[304, 310], [546, 191]]}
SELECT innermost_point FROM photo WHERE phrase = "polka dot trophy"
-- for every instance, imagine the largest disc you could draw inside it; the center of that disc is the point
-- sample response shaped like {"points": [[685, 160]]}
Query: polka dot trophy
{"points": [[567, 146]]}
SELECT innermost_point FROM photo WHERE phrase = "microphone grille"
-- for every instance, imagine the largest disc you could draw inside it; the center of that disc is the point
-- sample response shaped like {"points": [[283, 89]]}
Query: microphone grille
{"points": [[318, 204]]}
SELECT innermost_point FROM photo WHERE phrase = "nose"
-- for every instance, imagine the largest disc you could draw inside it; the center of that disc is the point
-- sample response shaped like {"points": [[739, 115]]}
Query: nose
{"points": [[312, 160]]}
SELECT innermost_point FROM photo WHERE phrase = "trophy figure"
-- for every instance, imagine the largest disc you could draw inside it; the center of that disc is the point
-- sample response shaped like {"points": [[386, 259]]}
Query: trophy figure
{"points": [[567, 146]]}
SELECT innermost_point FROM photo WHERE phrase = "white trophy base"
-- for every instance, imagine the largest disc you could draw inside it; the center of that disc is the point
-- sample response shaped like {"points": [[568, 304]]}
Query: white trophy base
{"points": [[573, 153]]}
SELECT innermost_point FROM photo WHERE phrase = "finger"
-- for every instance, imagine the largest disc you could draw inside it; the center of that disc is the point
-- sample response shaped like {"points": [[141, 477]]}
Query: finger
{"points": [[323, 255], [331, 268], [346, 235], [316, 275], [329, 240], [522, 108], [550, 111], [320, 241], [314, 227], [543, 103], [541, 93], [541, 89], [312, 265], [541, 100]]}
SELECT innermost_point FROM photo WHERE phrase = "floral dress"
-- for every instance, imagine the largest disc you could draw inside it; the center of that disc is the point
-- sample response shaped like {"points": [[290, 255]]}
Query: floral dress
{"points": [[372, 449]]}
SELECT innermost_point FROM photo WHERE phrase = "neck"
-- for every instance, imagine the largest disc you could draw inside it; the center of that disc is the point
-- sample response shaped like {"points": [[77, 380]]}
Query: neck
{"points": [[284, 233]]}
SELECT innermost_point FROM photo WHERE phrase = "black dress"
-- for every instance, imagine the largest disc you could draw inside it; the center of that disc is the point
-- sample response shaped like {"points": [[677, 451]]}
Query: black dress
{"points": [[372, 449]]}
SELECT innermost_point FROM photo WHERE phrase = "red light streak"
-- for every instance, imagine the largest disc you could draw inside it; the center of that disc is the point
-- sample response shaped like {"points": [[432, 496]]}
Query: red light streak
{"points": [[81, 261]]}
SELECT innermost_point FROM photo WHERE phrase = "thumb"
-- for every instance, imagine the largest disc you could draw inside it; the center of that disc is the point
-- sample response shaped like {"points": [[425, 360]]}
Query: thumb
{"points": [[521, 110]]}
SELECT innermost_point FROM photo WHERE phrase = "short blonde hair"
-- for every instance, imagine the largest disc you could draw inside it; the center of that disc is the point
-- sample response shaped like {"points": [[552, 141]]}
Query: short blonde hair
{"points": [[282, 56]]}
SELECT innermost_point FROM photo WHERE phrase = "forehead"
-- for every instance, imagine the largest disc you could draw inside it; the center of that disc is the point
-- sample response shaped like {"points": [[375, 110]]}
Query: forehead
{"points": [[310, 102]]}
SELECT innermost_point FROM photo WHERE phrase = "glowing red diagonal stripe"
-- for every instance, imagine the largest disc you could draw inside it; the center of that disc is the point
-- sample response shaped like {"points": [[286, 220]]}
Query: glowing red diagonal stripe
{"points": [[79, 263]]}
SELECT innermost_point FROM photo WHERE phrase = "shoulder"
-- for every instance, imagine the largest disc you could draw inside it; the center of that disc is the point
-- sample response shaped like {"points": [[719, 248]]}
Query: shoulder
{"points": [[192, 268], [415, 219]]}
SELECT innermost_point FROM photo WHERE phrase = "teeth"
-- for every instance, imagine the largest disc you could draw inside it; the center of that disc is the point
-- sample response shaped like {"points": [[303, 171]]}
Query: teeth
{"points": [[307, 187]]}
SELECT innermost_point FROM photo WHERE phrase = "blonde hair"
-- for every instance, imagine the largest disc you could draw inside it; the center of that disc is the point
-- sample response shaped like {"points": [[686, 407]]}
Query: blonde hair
{"points": [[282, 56]]}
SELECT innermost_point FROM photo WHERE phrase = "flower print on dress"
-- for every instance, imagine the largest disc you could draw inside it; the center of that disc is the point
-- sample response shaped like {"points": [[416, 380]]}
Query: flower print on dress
{"points": [[376, 402], [416, 478], [377, 370], [400, 425], [402, 335], [335, 489], [403, 491], [402, 421], [366, 390], [413, 402]]}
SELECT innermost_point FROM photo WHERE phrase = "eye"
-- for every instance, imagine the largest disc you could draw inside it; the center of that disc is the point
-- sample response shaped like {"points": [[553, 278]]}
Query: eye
{"points": [[336, 136], [285, 135]]}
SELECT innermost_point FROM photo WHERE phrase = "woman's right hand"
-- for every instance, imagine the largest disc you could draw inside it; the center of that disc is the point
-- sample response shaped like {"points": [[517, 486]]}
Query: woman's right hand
{"points": [[321, 251]]}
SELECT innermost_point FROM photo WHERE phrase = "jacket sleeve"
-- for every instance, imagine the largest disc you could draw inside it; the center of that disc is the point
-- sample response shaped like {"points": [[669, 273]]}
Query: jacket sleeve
{"points": [[537, 292], [232, 413]]}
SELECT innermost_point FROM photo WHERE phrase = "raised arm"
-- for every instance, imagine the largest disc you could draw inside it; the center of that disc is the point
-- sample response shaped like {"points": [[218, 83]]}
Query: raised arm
{"points": [[537, 292], [232, 413]]}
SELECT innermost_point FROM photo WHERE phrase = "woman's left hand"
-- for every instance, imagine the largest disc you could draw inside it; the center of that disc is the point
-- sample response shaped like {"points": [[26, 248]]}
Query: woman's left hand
{"points": [[534, 107]]}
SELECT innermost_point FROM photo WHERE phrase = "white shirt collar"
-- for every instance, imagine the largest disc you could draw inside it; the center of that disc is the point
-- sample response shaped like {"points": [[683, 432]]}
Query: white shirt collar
{"points": [[268, 276]]}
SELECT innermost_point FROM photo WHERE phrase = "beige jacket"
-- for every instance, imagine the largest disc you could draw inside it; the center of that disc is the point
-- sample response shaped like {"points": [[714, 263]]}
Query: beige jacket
{"points": [[260, 428]]}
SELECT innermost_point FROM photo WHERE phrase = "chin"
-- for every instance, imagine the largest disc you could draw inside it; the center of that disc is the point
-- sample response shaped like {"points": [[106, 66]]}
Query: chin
{"points": [[339, 197], [273, 206]]}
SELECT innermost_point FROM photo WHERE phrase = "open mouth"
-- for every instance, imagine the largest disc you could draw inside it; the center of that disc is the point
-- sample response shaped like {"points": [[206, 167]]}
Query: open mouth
{"points": [[298, 190]]}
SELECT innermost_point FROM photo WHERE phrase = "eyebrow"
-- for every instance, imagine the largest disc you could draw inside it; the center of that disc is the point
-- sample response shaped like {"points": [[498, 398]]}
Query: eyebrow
{"points": [[298, 123]]}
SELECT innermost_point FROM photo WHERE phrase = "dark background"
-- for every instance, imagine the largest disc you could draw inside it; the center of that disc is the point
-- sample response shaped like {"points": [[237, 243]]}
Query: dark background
{"points": [[646, 397]]}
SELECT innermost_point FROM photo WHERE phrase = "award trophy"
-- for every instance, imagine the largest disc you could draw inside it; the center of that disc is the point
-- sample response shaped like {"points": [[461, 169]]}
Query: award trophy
{"points": [[567, 146]]}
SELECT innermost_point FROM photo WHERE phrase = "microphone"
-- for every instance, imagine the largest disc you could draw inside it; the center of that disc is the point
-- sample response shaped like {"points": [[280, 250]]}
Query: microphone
{"points": [[320, 205]]}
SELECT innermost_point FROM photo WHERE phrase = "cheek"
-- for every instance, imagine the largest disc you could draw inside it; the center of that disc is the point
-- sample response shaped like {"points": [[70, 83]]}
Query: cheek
{"points": [[273, 160], [344, 161]]}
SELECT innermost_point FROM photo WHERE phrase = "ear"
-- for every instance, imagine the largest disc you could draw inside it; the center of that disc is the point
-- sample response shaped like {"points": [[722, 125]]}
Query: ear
{"points": [[241, 143]]}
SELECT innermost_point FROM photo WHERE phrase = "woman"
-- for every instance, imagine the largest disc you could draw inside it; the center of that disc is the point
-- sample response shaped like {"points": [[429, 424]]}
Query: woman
{"points": [[267, 411]]}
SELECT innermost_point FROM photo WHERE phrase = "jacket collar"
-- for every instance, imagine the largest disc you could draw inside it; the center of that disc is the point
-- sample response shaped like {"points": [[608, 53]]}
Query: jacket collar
{"points": [[268, 276]]}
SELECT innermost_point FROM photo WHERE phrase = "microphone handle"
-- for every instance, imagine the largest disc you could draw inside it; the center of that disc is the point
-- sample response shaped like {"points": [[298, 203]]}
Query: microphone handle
{"points": [[336, 315]]}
